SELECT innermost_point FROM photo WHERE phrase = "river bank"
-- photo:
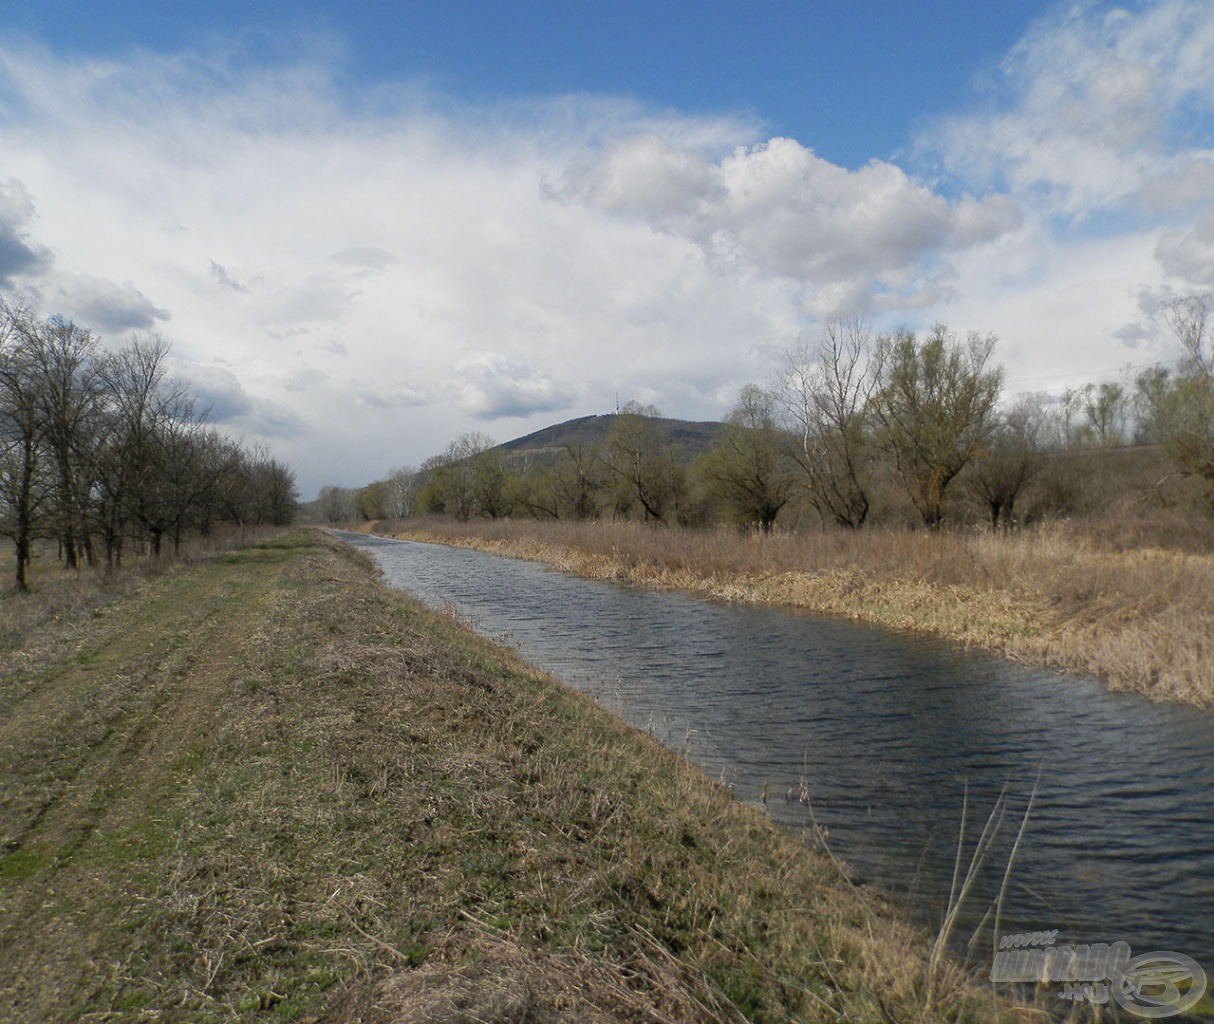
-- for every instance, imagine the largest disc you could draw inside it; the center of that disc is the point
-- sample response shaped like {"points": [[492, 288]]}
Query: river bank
{"points": [[1141, 620], [265, 787]]}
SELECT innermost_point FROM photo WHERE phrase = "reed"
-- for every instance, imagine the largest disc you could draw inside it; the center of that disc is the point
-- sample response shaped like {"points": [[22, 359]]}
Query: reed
{"points": [[1141, 618]]}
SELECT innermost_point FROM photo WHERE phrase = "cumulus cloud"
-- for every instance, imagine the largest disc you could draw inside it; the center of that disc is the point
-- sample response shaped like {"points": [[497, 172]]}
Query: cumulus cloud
{"points": [[1189, 255], [781, 208], [98, 302], [489, 386], [29, 266]]}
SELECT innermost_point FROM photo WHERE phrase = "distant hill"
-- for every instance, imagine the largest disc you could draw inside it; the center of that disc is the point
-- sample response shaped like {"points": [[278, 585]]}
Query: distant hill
{"points": [[546, 445], [691, 436]]}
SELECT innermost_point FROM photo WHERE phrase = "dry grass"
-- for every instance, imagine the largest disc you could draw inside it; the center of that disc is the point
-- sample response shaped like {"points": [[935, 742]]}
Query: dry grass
{"points": [[57, 597], [1140, 618], [267, 788]]}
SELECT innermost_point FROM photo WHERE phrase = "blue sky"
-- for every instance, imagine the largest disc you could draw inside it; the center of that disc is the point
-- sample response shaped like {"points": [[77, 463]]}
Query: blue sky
{"points": [[854, 77], [367, 227]]}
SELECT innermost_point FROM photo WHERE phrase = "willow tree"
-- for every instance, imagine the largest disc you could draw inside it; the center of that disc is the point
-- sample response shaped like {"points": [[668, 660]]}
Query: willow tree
{"points": [[748, 469], [1010, 459], [934, 401], [644, 464], [1186, 413]]}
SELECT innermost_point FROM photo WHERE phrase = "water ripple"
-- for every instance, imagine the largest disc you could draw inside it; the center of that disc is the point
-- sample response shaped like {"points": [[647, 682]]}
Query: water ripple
{"points": [[888, 732]]}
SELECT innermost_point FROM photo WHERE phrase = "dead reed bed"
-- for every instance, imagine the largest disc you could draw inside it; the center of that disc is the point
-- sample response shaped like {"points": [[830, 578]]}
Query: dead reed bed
{"points": [[1140, 618]]}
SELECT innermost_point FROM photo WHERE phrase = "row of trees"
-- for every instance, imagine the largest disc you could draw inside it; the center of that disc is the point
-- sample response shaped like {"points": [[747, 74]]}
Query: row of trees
{"points": [[843, 419], [100, 447]]}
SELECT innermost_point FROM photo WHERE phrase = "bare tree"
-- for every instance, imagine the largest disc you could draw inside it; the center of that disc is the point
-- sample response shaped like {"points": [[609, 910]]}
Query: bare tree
{"points": [[338, 504], [64, 364], [23, 489], [1105, 406], [401, 492], [826, 393], [91, 440], [1188, 316], [934, 404]]}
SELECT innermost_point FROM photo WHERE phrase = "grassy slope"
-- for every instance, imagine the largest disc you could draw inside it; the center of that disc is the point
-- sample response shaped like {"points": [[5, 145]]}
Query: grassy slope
{"points": [[266, 787], [1141, 619]]}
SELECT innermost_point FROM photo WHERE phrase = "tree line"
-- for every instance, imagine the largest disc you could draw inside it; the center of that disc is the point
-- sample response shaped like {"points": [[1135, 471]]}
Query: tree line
{"points": [[849, 417], [102, 448]]}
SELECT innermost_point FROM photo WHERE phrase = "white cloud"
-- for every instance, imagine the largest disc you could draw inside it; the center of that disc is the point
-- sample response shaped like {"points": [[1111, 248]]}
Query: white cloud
{"points": [[305, 378], [365, 259], [785, 210], [292, 232], [223, 398], [390, 397], [1100, 126], [360, 278], [1094, 109], [29, 269], [18, 256], [1188, 255], [492, 387], [97, 302]]}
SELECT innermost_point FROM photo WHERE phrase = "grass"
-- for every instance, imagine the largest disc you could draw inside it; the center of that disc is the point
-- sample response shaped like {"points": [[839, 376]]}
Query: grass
{"points": [[264, 787], [1139, 617], [59, 596]]}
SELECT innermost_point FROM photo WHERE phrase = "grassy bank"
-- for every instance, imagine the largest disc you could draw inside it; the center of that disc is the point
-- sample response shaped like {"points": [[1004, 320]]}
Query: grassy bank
{"points": [[264, 787], [1140, 618]]}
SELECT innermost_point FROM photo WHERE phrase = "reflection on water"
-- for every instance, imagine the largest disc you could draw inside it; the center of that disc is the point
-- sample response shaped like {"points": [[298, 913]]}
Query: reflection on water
{"points": [[888, 731]]}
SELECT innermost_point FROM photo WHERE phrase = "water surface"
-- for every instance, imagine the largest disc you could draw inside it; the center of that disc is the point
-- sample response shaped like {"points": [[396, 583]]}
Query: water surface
{"points": [[888, 732]]}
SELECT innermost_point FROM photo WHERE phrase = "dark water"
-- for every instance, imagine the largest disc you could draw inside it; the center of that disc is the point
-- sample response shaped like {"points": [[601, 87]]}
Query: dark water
{"points": [[888, 731]]}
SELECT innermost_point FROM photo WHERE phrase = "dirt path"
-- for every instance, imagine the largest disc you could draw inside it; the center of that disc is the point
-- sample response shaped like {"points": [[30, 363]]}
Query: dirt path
{"points": [[89, 757], [266, 788]]}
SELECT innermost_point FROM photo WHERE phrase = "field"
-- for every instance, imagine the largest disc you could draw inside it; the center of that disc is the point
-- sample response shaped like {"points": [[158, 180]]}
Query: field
{"points": [[1138, 616], [264, 787]]}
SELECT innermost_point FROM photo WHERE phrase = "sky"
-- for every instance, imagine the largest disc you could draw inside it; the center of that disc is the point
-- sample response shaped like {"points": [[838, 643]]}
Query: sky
{"points": [[367, 228]]}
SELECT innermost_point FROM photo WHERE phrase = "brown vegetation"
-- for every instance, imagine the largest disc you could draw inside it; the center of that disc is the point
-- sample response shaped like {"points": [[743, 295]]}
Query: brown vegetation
{"points": [[1079, 598], [265, 787]]}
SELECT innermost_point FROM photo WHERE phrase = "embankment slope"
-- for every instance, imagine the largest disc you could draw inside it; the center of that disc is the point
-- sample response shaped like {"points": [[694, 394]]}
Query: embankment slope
{"points": [[265, 787]]}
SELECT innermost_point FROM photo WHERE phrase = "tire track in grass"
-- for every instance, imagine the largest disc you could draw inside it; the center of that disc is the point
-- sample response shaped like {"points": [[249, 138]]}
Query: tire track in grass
{"points": [[88, 756]]}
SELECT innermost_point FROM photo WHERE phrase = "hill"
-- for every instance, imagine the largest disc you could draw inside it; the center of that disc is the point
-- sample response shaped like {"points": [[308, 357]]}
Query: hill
{"points": [[692, 437]]}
